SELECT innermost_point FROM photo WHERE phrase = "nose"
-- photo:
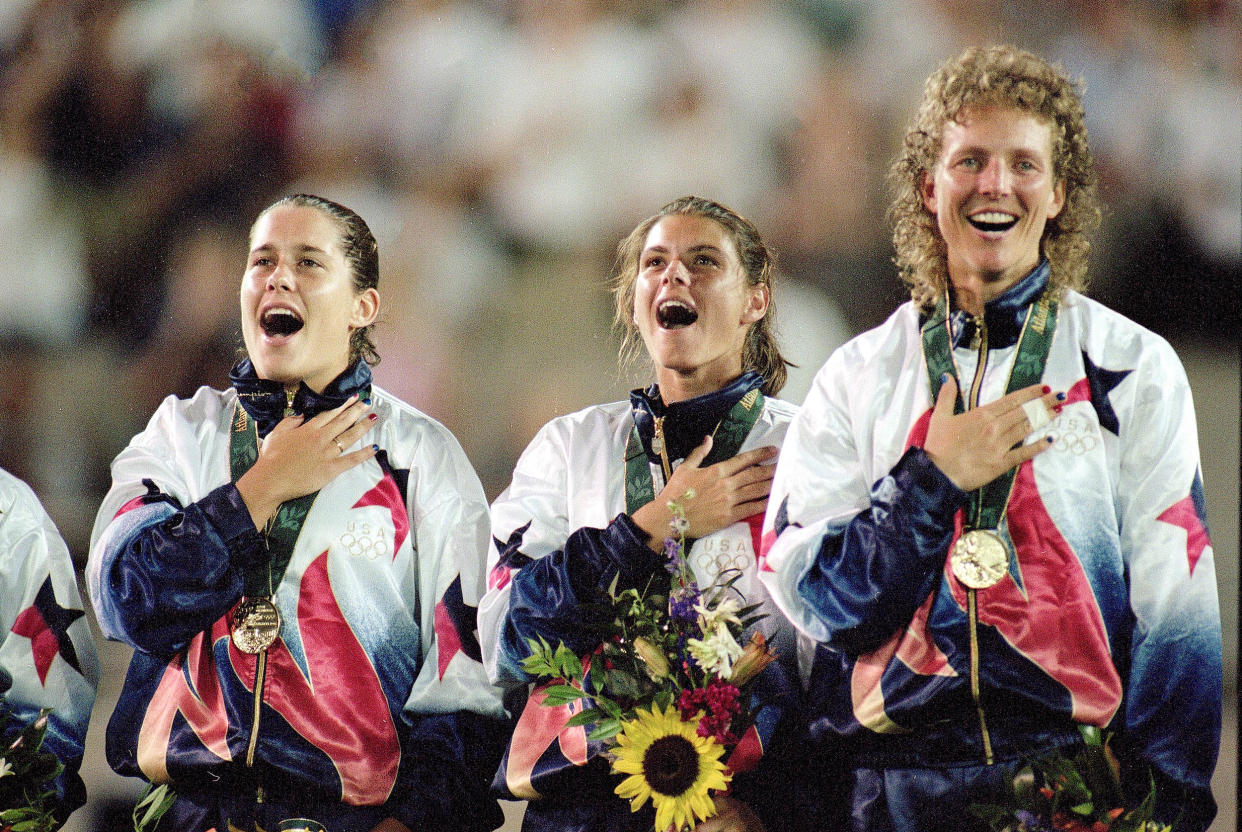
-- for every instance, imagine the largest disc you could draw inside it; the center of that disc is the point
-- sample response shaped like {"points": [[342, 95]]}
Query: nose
{"points": [[676, 272], [280, 277], [995, 178]]}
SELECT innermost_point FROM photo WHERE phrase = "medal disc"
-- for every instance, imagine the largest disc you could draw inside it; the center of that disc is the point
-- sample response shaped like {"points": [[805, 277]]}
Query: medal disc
{"points": [[979, 558], [255, 625]]}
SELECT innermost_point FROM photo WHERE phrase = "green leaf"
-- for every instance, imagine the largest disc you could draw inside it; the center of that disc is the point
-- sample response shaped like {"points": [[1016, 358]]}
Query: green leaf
{"points": [[1083, 809], [610, 707], [561, 695], [586, 717], [20, 813], [570, 664], [155, 801], [607, 729]]}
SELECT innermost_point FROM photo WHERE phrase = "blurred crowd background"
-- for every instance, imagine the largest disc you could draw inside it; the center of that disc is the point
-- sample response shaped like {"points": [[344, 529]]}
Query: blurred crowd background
{"points": [[500, 149]]}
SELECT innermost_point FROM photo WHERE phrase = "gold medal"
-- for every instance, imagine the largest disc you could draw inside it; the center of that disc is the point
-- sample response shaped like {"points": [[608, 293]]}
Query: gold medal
{"points": [[300, 825], [979, 558], [255, 625]]}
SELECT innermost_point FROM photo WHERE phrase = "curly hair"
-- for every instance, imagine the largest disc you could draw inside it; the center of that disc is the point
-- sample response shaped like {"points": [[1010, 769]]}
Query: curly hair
{"points": [[981, 77], [361, 255], [760, 351]]}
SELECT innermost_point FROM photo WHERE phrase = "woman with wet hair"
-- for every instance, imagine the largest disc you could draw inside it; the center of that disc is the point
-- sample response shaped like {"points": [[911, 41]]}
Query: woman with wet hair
{"points": [[294, 561], [693, 287]]}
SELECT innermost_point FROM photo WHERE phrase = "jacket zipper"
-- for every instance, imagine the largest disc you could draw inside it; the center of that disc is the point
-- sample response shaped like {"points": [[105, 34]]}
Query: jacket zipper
{"points": [[260, 679], [972, 604], [657, 445], [260, 674]]}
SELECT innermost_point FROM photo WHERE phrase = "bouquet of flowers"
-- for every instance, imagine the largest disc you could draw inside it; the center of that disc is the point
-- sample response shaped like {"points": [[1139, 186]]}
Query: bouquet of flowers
{"points": [[27, 794], [1072, 794], [669, 687]]}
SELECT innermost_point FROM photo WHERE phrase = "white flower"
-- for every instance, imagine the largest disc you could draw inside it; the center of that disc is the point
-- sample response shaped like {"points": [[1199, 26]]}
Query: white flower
{"points": [[5, 768], [722, 614], [716, 652]]}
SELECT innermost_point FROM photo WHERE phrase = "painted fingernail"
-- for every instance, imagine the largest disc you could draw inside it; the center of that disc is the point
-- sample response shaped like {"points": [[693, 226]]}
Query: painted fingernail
{"points": [[372, 416], [367, 400], [1047, 389], [1048, 439], [1061, 396], [944, 378], [1056, 408], [376, 447]]}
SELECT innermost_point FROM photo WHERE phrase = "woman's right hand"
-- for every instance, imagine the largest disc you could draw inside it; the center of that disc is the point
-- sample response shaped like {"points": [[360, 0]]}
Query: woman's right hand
{"points": [[301, 456], [977, 446], [724, 493]]}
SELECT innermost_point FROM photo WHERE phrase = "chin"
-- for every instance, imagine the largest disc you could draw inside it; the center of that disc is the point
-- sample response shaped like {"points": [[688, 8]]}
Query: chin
{"points": [[281, 375]]}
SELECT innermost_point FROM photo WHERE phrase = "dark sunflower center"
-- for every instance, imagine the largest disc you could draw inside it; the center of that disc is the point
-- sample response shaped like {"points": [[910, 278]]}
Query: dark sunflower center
{"points": [[671, 765]]}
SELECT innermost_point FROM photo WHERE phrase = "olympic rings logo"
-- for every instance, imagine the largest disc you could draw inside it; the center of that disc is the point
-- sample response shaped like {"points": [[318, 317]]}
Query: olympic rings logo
{"points": [[365, 540]]}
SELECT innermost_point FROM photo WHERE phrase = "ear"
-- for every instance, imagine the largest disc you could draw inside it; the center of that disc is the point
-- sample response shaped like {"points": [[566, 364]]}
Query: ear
{"points": [[1058, 199], [366, 308], [928, 190], [757, 304]]}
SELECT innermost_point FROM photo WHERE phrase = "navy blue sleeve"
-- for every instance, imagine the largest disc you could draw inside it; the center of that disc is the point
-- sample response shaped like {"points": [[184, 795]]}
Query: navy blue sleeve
{"points": [[447, 766], [872, 574], [177, 570], [552, 596]]}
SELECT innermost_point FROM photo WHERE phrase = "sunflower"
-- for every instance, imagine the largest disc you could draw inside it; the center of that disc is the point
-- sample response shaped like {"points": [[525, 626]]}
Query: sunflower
{"points": [[671, 764]]}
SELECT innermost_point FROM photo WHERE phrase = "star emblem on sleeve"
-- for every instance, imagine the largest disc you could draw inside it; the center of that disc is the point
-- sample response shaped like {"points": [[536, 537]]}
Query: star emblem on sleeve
{"points": [[46, 624], [1190, 513]]}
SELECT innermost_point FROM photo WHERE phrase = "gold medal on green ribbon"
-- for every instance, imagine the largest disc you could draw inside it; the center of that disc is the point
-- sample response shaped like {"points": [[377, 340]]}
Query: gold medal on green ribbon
{"points": [[980, 557]]}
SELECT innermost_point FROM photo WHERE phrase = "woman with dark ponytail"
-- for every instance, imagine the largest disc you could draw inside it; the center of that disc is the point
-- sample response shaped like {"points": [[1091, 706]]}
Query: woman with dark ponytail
{"points": [[692, 286], [294, 561]]}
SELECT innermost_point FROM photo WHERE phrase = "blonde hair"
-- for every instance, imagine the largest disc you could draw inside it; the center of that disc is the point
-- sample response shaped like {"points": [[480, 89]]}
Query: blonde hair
{"points": [[760, 352], [981, 77]]}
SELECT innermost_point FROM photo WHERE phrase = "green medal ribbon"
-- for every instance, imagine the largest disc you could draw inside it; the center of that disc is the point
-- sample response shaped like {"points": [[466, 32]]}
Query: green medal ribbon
{"points": [[987, 504], [283, 531], [727, 439]]}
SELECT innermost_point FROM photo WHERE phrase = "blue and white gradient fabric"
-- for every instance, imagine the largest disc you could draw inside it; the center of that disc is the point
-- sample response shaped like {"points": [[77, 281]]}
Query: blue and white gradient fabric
{"points": [[1108, 615], [47, 654], [374, 693]]}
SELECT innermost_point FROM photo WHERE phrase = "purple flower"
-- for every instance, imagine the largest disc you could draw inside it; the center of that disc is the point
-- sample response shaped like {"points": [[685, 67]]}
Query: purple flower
{"points": [[1030, 822], [682, 602]]}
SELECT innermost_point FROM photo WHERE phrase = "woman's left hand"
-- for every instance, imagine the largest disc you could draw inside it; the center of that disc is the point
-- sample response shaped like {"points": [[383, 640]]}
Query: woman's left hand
{"points": [[390, 825], [732, 815]]}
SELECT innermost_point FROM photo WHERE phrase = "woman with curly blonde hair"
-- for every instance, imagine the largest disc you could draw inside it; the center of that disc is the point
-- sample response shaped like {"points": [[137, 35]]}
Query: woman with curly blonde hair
{"points": [[997, 76], [988, 510]]}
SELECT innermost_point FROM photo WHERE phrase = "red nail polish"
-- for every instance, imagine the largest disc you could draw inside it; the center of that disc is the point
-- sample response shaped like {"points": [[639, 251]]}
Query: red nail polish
{"points": [[1047, 389], [372, 416]]}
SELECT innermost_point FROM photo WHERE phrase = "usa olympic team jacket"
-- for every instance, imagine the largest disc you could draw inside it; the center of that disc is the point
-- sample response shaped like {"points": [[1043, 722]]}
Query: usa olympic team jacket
{"points": [[1108, 614], [561, 534], [373, 694], [47, 655]]}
